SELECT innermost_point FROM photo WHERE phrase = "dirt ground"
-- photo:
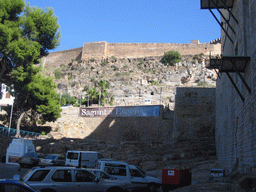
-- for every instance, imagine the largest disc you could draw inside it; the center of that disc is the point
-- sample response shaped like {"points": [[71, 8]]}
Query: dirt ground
{"points": [[155, 159]]}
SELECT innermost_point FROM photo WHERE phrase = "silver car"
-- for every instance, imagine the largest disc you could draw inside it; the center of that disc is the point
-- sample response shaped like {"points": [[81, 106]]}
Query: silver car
{"points": [[30, 159], [55, 179], [53, 160]]}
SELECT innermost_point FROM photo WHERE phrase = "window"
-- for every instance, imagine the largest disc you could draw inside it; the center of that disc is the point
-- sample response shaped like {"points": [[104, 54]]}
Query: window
{"points": [[62, 176], [39, 175], [84, 176], [102, 175], [115, 171], [72, 155], [135, 173]]}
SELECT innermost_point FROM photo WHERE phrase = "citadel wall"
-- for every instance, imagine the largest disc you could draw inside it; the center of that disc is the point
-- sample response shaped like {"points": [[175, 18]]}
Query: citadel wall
{"points": [[137, 50], [102, 49]]}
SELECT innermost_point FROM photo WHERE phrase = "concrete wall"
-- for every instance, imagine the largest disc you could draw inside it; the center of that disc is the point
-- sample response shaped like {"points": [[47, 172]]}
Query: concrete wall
{"points": [[235, 119]]}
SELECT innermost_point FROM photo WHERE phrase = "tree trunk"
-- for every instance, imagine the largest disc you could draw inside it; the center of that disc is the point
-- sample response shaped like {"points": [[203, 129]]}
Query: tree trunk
{"points": [[18, 125], [1, 74]]}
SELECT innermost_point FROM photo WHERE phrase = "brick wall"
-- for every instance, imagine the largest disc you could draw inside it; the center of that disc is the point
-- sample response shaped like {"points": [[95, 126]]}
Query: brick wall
{"points": [[235, 119]]}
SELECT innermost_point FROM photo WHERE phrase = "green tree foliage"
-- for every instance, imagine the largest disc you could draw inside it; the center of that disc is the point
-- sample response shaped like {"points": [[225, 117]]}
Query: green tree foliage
{"points": [[92, 94], [171, 58], [35, 94], [103, 85], [26, 34], [68, 98], [57, 73]]}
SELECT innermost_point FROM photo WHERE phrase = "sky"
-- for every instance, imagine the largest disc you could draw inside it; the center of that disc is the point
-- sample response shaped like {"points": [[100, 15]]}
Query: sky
{"points": [[130, 21]]}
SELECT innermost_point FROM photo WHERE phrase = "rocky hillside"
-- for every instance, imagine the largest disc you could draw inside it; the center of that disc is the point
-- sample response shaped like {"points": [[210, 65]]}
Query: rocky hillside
{"points": [[132, 80]]}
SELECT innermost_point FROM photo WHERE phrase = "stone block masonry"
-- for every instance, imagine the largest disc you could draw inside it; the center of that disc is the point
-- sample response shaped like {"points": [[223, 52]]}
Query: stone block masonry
{"points": [[136, 50], [236, 119]]}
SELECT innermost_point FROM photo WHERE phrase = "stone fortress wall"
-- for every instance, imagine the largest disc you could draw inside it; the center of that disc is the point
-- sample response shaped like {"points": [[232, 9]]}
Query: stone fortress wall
{"points": [[137, 50], [166, 127], [128, 50]]}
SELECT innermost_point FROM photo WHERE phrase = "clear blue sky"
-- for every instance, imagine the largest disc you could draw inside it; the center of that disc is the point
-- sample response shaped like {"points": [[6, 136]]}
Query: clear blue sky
{"points": [[130, 21]]}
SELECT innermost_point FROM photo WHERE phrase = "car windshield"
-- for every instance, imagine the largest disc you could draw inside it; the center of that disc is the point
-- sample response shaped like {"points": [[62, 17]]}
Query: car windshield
{"points": [[25, 175]]}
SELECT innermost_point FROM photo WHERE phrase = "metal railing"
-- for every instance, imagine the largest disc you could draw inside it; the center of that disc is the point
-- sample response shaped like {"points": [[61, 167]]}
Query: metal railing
{"points": [[12, 132]]}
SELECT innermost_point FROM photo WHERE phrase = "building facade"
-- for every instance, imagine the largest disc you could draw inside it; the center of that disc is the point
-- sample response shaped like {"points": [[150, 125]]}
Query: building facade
{"points": [[236, 84]]}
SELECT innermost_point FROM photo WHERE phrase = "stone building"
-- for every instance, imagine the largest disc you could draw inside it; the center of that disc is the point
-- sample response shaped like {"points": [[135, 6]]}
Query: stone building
{"points": [[236, 84]]}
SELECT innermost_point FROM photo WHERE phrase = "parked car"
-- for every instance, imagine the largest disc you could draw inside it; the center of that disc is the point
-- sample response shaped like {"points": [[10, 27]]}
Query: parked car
{"points": [[30, 159], [108, 178], [86, 159], [124, 171], [12, 185], [53, 160], [58, 178]]}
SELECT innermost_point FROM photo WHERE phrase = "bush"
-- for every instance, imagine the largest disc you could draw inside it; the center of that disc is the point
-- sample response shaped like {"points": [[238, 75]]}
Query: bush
{"points": [[115, 68], [171, 58], [103, 64], [92, 59], [57, 73]]}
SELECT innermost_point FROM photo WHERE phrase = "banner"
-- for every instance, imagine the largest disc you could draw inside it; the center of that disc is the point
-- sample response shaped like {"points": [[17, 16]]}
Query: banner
{"points": [[131, 111]]}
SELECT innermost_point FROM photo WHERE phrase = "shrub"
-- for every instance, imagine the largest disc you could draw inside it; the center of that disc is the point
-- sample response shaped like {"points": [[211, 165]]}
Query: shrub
{"points": [[118, 74], [115, 68], [195, 57], [73, 83], [155, 83], [57, 73], [145, 70], [103, 64], [92, 79], [113, 57], [171, 58], [86, 88], [92, 59]]}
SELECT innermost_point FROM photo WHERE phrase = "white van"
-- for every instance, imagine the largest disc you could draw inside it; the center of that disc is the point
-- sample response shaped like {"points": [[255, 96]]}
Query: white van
{"points": [[83, 158], [17, 148]]}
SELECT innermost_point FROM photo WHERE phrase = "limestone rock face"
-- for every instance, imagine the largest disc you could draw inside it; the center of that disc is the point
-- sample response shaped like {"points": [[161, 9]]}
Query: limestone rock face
{"points": [[132, 80]]}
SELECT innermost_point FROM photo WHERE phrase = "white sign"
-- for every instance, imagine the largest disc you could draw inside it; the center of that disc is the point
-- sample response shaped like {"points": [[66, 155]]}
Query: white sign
{"points": [[170, 172]]}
